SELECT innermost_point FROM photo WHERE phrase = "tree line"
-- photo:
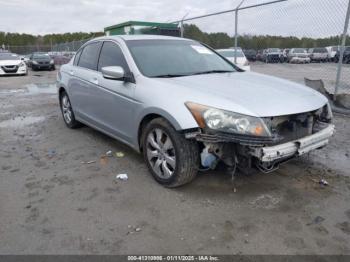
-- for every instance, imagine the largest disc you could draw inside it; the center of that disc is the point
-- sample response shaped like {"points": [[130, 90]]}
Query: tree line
{"points": [[16, 39], [215, 40], [223, 40]]}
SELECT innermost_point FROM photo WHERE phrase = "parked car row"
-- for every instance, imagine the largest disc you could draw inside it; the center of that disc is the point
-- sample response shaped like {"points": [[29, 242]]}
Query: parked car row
{"points": [[13, 64], [298, 55], [241, 60]]}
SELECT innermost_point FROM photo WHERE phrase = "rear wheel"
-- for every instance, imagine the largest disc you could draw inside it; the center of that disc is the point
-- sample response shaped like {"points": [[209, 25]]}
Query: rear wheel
{"points": [[171, 158], [67, 112]]}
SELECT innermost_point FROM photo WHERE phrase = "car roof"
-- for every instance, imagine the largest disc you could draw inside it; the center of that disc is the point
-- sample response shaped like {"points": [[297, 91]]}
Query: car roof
{"points": [[142, 37], [228, 49]]}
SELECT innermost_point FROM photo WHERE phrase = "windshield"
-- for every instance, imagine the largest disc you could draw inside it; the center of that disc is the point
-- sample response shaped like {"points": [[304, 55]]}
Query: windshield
{"points": [[9, 56], [230, 53], [299, 50], [335, 48], [41, 56], [175, 58]]}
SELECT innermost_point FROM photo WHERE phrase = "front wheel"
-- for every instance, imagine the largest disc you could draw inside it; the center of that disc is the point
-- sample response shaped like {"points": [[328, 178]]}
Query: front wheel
{"points": [[172, 159]]}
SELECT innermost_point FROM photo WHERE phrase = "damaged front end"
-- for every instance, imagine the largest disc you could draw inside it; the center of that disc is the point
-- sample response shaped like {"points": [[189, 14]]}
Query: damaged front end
{"points": [[264, 143]]}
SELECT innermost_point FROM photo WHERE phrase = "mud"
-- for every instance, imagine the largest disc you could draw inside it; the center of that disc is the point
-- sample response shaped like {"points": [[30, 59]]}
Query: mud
{"points": [[52, 203]]}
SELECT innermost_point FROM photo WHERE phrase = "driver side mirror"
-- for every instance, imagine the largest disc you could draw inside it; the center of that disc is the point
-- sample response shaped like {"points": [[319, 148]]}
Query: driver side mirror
{"points": [[113, 72]]}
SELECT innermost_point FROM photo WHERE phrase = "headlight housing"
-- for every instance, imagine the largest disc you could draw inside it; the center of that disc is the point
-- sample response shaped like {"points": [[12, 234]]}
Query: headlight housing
{"points": [[52, 61], [226, 121], [35, 62], [22, 64]]}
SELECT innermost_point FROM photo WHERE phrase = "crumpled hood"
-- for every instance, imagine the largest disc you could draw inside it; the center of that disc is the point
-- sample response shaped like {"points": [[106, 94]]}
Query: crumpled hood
{"points": [[249, 93], [10, 62]]}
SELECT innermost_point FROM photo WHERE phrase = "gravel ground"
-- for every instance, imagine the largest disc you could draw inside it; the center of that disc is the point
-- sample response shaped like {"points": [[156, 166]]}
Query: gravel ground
{"points": [[53, 203], [296, 72]]}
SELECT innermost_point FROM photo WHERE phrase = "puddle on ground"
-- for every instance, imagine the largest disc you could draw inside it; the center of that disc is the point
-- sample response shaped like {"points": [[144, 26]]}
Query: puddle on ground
{"points": [[12, 91], [42, 88], [19, 122], [33, 89]]}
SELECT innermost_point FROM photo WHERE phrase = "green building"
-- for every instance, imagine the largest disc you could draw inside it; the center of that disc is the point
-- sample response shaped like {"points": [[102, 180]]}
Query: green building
{"points": [[139, 27]]}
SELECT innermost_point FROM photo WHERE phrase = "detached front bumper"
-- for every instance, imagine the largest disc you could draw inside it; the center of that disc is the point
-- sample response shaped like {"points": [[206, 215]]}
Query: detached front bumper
{"points": [[294, 148]]}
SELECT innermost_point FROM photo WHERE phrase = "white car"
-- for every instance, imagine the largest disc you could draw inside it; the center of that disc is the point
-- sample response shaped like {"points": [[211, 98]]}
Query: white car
{"points": [[332, 52], [11, 64], [242, 61], [298, 55]]}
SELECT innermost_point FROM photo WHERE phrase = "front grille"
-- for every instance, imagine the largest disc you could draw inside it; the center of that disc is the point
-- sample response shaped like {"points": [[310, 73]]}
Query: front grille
{"points": [[9, 68], [43, 63], [291, 127]]}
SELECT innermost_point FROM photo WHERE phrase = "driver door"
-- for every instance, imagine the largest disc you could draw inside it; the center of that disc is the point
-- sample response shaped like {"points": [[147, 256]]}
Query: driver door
{"points": [[114, 99]]}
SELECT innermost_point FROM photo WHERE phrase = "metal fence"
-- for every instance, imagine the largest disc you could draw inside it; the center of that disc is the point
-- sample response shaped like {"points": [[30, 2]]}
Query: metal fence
{"points": [[258, 25], [60, 47], [69, 47], [285, 24]]}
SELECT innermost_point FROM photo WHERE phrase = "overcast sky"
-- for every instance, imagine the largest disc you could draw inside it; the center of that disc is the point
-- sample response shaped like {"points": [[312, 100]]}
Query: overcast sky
{"points": [[313, 18]]}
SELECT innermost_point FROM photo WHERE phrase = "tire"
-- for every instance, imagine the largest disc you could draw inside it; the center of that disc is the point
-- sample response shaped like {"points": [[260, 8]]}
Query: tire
{"points": [[67, 112], [172, 159]]}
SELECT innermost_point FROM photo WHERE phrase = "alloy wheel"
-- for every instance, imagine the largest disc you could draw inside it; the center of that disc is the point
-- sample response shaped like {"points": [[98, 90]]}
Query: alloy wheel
{"points": [[161, 153], [66, 109]]}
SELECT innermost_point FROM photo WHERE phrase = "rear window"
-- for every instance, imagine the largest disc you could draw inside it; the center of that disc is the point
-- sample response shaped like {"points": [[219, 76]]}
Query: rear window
{"points": [[76, 58], [320, 50]]}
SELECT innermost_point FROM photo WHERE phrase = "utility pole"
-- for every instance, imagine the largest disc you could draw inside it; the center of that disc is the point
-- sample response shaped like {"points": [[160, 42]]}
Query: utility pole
{"points": [[341, 53], [182, 24], [236, 29]]}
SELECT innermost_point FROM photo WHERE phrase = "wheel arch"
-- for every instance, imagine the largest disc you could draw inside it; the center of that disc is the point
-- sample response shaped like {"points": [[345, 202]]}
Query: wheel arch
{"points": [[61, 89], [149, 116]]}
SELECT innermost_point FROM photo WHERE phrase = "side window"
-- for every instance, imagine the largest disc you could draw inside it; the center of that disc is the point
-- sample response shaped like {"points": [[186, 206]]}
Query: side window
{"points": [[112, 55], [89, 56], [77, 56]]}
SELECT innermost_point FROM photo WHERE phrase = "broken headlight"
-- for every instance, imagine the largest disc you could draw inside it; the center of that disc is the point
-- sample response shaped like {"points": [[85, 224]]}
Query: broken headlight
{"points": [[226, 121], [325, 113]]}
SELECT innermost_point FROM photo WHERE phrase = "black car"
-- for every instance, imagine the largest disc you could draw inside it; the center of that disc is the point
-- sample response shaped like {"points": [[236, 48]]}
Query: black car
{"points": [[250, 54], [272, 55], [41, 60], [346, 55]]}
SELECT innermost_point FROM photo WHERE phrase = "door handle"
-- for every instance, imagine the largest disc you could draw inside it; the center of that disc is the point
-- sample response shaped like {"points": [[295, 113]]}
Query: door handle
{"points": [[94, 81]]}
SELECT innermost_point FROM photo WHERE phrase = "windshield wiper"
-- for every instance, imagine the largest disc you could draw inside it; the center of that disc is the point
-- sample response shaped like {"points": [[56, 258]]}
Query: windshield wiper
{"points": [[169, 76], [213, 72]]}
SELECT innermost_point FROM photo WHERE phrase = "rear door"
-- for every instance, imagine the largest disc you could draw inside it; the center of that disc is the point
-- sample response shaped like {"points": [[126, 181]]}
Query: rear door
{"points": [[84, 80]]}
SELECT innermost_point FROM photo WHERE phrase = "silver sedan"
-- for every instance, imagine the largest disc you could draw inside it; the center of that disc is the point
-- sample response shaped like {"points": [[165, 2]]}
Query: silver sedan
{"points": [[185, 107]]}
